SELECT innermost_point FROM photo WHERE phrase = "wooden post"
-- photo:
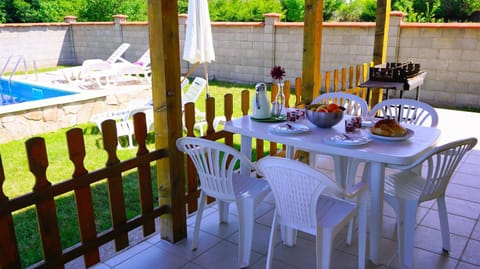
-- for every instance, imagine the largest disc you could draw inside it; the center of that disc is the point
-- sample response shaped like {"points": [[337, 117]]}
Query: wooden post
{"points": [[381, 40], [166, 94], [312, 47]]}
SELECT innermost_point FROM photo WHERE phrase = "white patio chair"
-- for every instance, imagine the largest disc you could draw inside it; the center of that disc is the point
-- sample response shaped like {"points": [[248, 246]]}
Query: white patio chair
{"points": [[191, 96], [406, 190], [139, 69], [99, 74], [408, 111], [309, 201], [216, 167], [354, 106], [113, 58]]}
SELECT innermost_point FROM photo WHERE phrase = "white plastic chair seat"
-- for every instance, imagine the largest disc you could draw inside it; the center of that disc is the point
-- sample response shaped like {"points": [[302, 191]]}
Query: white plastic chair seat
{"points": [[332, 212], [246, 186], [404, 185]]}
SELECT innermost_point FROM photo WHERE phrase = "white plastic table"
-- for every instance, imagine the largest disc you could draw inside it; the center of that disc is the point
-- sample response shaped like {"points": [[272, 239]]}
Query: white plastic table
{"points": [[378, 152]]}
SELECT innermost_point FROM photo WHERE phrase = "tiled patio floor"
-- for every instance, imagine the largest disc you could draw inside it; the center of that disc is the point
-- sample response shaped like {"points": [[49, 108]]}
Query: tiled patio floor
{"points": [[218, 242]]}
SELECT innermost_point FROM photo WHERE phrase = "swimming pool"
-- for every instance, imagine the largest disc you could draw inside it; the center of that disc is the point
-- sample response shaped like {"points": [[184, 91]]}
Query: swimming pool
{"points": [[15, 92]]}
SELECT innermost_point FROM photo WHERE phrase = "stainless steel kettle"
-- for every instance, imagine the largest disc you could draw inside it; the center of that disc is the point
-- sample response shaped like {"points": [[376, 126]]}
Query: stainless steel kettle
{"points": [[260, 103]]}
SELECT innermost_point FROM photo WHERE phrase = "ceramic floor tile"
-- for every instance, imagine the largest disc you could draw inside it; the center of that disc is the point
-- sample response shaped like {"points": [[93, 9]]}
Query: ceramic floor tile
{"points": [[468, 180], [427, 259], [153, 258], [183, 248], [471, 254], [476, 232], [261, 237], [457, 224], [128, 253], [463, 192], [461, 207], [431, 239], [469, 167], [300, 256], [222, 255], [464, 265]]}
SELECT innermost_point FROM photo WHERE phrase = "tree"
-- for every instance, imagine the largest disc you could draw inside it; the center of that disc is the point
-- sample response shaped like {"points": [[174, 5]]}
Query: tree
{"points": [[103, 10]]}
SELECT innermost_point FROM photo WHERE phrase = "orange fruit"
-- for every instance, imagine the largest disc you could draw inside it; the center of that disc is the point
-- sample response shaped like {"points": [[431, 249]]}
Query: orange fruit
{"points": [[322, 109], [332, 107]]}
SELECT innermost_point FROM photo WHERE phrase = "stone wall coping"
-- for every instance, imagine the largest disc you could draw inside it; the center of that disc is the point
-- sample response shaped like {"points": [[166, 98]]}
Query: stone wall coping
{"points": [[458, 25]]}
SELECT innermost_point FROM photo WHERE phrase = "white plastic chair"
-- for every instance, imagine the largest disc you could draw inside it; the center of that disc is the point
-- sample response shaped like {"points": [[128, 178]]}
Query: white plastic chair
{"points": [[405, 190], [309, 201], [191, 96], [139, 69], [216, 167], [408, 111], [113, 58], [354, 105]]}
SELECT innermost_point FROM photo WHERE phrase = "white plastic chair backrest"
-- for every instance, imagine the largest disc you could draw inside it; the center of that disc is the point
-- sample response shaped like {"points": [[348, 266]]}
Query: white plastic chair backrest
{"points": [[353, 104], [215, 164], [144, 60], [296, 188], [408, 111], [441, 163], [194, 91], [184, 83], [116, 55]]}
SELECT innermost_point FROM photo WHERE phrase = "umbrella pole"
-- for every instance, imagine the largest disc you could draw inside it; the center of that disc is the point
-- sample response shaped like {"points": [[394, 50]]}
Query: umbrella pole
{"points": [[190, 71], [205, 68]]}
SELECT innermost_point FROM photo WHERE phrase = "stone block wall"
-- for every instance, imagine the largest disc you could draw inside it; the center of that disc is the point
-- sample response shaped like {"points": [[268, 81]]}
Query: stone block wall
{"points": [[46, 44], [245, 52]]}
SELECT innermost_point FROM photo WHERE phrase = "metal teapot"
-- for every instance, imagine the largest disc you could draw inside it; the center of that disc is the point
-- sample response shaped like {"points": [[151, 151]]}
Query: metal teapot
{"points": [[260, 103]]}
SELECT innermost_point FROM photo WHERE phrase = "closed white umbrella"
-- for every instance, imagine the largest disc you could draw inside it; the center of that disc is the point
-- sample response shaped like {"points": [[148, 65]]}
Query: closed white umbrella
{"points": [[198, 47]]}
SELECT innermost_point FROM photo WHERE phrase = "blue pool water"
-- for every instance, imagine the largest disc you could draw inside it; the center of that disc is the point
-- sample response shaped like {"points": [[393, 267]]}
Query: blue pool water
{"points": [[18, 92]]}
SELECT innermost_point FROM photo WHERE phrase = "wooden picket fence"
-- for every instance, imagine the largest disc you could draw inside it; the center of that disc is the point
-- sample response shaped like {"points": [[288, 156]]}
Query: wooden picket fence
{"points": [[44, 194]]}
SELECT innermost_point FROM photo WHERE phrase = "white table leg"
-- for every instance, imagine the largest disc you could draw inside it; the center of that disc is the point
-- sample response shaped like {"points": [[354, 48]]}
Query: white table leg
{"points": [[375, 182], [288, 235], [340, 166], [246, 149]]}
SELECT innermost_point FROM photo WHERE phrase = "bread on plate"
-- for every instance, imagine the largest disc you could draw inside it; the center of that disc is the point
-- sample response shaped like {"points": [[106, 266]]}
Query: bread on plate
{"points": [[388, 127]]}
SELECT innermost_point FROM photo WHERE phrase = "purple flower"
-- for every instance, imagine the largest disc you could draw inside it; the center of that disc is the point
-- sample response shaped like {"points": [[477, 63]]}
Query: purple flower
{"points": [[277, 72]]}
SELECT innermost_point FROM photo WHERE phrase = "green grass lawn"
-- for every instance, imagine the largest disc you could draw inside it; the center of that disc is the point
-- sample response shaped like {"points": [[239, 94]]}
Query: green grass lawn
{"points": [[19, 180]]}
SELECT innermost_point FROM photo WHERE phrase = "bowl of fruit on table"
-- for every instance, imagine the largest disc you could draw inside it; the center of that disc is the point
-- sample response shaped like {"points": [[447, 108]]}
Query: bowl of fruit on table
{"points": [[324, 115]]}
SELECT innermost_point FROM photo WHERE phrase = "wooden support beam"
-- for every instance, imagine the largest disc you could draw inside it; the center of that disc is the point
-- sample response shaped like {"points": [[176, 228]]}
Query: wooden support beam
{"points": [[312, 48], [381, 41], [166, 94]]}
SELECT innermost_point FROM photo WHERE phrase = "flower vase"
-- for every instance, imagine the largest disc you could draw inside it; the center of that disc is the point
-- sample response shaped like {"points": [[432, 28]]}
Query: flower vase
{"points": [[280, 100]]}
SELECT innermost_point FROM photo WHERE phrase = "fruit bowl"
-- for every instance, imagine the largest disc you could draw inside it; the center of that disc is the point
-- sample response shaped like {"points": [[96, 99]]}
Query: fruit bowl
{"points": [[322, 117]]}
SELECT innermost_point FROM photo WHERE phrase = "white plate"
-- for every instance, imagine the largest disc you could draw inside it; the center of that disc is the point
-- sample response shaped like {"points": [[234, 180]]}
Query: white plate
{"points": [[348, 140], [289, 128], [409, 134]]}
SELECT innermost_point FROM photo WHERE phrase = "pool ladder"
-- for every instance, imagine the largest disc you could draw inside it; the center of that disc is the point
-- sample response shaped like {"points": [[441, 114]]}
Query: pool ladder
{"points": [[20, 59]]}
